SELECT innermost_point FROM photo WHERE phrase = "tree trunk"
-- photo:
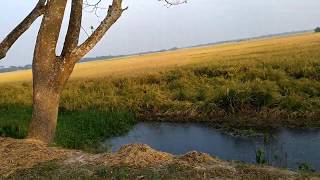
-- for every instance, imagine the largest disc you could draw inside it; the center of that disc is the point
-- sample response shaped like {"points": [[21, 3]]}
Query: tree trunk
{"points": [[48, 83], [45, 114], [49, 74]]}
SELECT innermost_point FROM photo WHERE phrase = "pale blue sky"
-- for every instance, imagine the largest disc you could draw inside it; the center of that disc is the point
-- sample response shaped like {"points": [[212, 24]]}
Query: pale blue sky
{"points": [[148, 25]]}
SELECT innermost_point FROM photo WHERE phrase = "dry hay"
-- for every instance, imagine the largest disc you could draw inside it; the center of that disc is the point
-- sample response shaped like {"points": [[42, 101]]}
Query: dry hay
{"points": [[203, 161], [195, 157], [24, 154], [138, 155], [21, 154]]}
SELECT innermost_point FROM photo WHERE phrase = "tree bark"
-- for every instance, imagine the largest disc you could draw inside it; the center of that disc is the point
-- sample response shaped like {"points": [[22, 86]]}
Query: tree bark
{"points": [[45, 114], [47, 87]]}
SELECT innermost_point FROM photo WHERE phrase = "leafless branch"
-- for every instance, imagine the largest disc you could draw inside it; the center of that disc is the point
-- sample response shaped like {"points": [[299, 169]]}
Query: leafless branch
{"points": [[14, 35], [74, 28], [114, 12], [174, 2]]}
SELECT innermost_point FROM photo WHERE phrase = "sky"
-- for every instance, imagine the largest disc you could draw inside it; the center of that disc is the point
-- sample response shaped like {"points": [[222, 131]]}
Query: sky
{"points": [[148, 25]]}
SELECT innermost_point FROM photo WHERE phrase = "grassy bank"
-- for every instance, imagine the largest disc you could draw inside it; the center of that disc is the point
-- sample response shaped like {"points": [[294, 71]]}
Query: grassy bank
{"points": [[76, 129], [249, 85]]}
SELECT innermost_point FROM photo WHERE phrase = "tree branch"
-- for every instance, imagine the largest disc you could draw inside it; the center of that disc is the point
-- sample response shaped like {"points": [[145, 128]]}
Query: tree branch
{"points": [[114, 12], [173, 3], [48, 35], [15, 34], [74, 28]]}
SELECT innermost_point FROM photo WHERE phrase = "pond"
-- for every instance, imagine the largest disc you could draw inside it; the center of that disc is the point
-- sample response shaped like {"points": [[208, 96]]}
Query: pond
{"points": [[282, 148]]}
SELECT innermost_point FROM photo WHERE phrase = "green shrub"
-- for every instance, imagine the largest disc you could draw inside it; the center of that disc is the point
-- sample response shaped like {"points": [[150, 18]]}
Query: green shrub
{"points": [[259, 99], [291, 103], [229, 101]]}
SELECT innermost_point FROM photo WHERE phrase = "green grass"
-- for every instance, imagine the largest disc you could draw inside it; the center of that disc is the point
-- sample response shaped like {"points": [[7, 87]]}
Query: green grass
{"points": [[76, 129]]}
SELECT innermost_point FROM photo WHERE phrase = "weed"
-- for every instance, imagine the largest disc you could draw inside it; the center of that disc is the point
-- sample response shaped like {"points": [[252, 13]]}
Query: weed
{"points": [[260, 157], [305, 168]]}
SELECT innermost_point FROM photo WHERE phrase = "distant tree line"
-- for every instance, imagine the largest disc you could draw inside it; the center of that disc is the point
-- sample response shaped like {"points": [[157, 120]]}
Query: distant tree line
{"points": [[317, 30], [29, 66], [14, 68]]}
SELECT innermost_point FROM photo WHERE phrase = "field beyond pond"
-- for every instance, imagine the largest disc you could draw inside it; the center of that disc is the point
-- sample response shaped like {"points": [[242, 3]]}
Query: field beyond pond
{"points": [[257, 84]]}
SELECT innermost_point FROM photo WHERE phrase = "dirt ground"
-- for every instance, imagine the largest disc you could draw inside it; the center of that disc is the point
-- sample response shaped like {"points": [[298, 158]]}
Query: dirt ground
{"points": [[27, 159]]}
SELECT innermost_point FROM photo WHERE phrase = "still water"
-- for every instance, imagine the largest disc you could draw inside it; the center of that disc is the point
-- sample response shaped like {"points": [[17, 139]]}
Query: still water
{"points": [[282, 148]]}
